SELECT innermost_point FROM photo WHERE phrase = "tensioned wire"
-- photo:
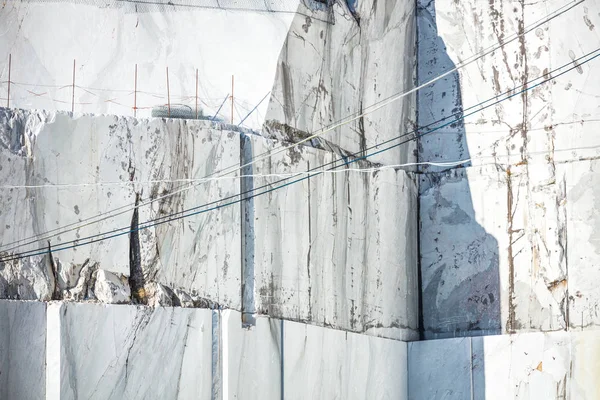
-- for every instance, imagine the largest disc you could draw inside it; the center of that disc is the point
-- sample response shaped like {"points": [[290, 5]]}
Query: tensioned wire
{"points": [[173, 217], [124, 209]]}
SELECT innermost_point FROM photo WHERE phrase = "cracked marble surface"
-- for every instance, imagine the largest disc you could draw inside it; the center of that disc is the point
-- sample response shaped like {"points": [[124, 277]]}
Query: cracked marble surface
{"points": [[61, 159], [493, 253], [326, 364], [335, 64], [119, 352], [350, 264], [508, 269], [22, 350], [84, 350], [352, 261]]}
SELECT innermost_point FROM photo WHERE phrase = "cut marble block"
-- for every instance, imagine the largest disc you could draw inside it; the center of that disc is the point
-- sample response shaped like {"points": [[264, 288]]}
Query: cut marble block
{"points": [[126, 352], [492, 251], [527, 366], [439, 369], [581, 180], [337, 249], [337, 63], [585, 365], [554, 365], [22, 350], [79, 168], [321, 363], [251, 358]]}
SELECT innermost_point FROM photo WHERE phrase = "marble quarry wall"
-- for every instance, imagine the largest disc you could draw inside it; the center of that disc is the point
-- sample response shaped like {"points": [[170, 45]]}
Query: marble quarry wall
{"points": [[351, 262], [338, 63], [65, 350], [507, 239], [82, 350], [107, 38], [310, 285], [540, 365], [317, 250]]}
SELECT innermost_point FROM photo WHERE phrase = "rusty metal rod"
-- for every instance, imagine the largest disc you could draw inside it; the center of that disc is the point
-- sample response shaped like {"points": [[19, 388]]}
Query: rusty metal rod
{"points": [[135, 93], [9, 66], [168, 94]]}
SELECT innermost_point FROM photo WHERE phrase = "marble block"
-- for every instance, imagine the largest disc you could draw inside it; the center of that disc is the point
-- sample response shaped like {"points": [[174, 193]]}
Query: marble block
{"points": [[127, 352], [337, 249], [321, 363], [22, 350]]}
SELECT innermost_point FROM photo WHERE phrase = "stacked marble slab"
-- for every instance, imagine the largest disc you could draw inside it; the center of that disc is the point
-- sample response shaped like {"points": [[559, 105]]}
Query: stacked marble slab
{"points": [[507, 239], [551, 365], [79, 350], [336, 248], [56, 163]]}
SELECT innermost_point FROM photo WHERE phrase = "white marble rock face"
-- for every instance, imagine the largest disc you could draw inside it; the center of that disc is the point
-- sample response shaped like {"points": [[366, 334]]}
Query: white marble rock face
{"points": [[335, 64], [338, 249], [127, 352], [552, 122], [551, 365], [581, 180], [111, 288], [251, 357], [22, 350], [82, 350], [532, 250], [492, 252], [78, 168], [331, 364], [439, 369], [507, 270], [108, 39], [299, 262]]}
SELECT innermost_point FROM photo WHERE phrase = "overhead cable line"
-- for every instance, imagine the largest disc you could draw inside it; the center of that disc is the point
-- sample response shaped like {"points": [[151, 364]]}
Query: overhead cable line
{"points": [[353, 117], [194, 211]]}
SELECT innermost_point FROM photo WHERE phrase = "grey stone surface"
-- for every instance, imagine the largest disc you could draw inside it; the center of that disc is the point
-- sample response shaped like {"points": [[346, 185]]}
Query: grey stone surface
{"points": [[74, 169], [111, 288], [337, 63], [331, 364], [580, 181], [351, 264], [134, 352], [337, 249], [495, 241], [251, 358], [22, 350], [554, 365], [128, 352], [439, 369], [534, 240], [492, 253]]}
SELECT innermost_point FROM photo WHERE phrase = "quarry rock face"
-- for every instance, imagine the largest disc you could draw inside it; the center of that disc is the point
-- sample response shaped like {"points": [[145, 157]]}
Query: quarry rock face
{"points": [[111, 288], [148, 255], [74, 351], [516, 264], [131, 158], [189, 257], [338, 63], [346, 243]]}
